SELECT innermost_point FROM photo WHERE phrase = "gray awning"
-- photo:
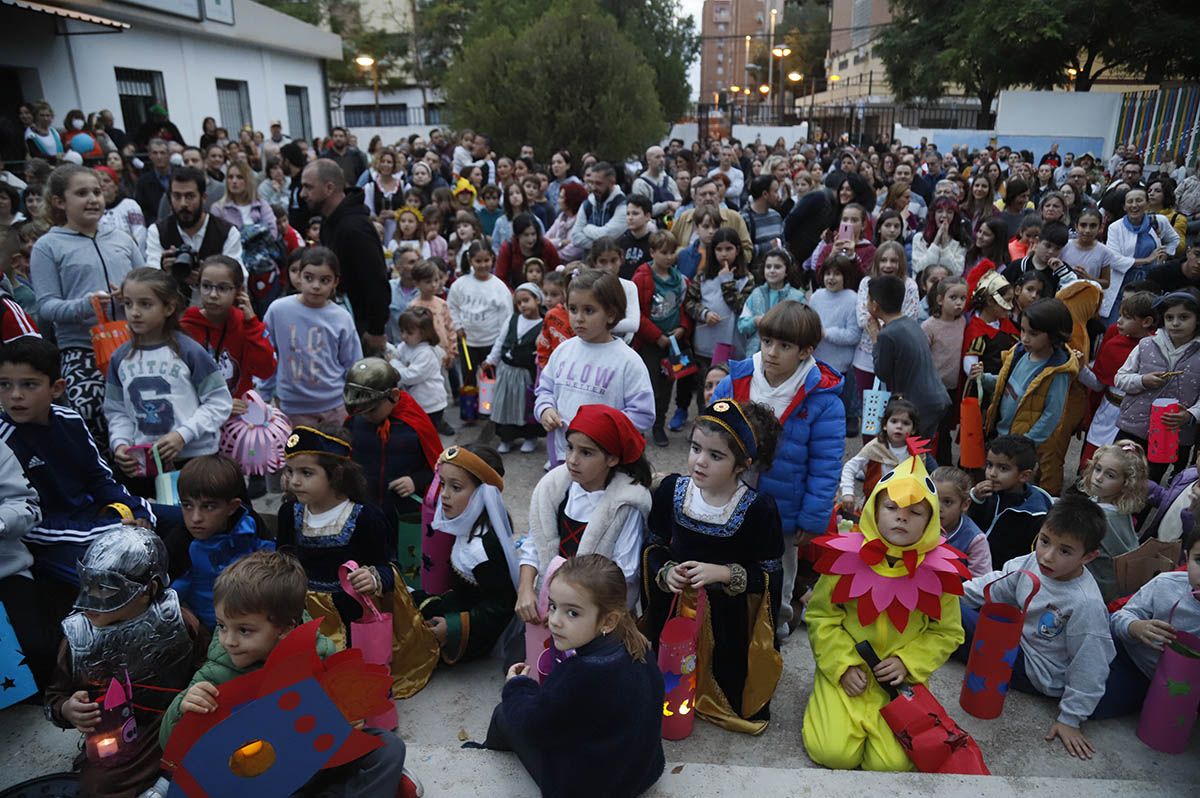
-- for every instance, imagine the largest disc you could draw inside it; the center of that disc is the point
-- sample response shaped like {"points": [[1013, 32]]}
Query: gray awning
{"points": [[66, 13]]}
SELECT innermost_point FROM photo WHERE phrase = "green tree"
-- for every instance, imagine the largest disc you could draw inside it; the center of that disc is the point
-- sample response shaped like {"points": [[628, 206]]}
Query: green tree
{"points": [[804, 29], [978, 45], [570, 79], [1099, 38]]}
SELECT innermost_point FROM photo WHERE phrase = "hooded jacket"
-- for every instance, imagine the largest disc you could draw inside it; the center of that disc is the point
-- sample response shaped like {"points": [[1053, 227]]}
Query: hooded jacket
{"points": [[241, 347], [599, 219], [349, 233], [803, 480], [67, 267]]}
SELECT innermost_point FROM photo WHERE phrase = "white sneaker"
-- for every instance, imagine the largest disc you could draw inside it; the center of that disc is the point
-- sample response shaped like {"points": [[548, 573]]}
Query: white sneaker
{"points": [[529, 445], [504, 448]]}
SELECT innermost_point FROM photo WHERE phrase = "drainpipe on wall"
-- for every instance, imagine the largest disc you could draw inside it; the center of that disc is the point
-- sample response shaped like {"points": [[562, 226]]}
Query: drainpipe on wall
{"points": [[325, 88]]}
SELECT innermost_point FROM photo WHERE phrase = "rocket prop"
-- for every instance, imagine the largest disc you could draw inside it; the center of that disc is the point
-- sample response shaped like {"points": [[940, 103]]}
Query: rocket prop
{"points": [[372, 635], [1169, 710], [276, 727], [930, 737], [255, 439], [16, 680], [538, 642], [678, 646], [994, 652]]}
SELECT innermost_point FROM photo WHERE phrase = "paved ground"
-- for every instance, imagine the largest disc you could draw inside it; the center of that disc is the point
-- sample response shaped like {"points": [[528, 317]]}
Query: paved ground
{"points": [[458, 703]]}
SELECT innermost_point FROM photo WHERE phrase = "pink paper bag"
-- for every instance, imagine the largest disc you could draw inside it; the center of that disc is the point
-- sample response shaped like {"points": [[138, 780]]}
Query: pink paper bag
{"points": [[722, 353], [537, 635], [372, 635]]}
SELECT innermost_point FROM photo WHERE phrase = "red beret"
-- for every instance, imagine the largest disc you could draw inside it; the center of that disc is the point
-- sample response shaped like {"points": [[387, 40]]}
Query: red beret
{"points": [[611, 430]]}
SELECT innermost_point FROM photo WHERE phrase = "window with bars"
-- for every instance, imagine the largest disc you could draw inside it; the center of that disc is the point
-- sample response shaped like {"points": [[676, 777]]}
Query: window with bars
{"points": [[390, 115], [233, 104], [299, 119], [137, 91]]}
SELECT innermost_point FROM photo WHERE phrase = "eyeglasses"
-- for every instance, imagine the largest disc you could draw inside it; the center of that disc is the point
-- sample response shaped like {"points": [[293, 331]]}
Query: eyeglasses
{"points": [[221, 289]]}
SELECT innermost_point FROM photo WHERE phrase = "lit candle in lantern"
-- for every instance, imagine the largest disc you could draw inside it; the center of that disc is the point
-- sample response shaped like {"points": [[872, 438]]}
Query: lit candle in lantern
{"points": [[107, 746]]}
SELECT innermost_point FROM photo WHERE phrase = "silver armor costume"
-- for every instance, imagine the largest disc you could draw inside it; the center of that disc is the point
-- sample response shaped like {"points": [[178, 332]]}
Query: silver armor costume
{"points": [[148, 645]]}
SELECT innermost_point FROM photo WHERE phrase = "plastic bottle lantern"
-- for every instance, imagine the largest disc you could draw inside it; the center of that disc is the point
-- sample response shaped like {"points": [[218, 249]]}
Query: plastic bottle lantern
{"points": [[1169, 710], [372, 635], [487, 387], [537, 637], [468, 403], [994, 652], [677, 652], [874, 402], [1163, 443], [116, 732]]}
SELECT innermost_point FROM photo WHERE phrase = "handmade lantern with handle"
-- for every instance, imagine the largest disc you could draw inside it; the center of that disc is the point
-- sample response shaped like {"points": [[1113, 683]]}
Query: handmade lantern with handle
{"points": [[677, 365], [255, 440], [537, 635], [1169, 710], [107, 336], [435, 545], [1162, 445], [112, 742], [971, 451], [372, 635], [994, 651], [678, 646], [487, 388], [874, 402]]}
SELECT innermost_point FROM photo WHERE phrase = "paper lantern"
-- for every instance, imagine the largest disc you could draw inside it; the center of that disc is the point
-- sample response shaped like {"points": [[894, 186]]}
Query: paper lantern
{"points": [[537, 636], [721, 353], [255, 440], [468, 403], [112, 741], [1169, 711], [82, 143], [994, 652], [275, 727], [15, 676], [971, 450], [435, 545], [678, 646], [874, 401], [487, 388], [372, 635], [1163, 443]]}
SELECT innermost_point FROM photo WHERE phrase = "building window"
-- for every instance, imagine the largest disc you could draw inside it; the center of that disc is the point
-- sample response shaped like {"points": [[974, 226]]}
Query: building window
{"points": [[860, 23], [390, 115], [233, 104], [721, 27], [720, 11], [299, 119], [137, 90], [433, 114], [720, 70], [720, 58]]}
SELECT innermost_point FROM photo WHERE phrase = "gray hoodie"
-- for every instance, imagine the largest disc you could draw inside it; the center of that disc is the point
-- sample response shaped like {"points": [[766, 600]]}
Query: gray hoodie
{"points": [[19, 513], [67, 267], [1065, 640]]}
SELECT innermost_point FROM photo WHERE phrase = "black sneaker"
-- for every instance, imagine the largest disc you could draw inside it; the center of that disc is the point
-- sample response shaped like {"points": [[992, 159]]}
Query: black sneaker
{"points": [[444, 428], [660, 436]]}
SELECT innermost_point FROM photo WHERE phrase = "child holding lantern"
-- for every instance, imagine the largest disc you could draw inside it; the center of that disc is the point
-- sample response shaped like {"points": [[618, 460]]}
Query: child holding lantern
{"points": [[712, 531], [897, 544], [129, 647]]}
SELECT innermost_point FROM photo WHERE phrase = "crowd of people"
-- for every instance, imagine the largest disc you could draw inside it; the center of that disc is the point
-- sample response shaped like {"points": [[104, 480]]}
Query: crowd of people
{"points": [[779, 307]]}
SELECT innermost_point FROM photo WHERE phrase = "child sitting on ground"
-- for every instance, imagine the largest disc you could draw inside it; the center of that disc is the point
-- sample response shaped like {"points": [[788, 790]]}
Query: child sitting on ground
{"points": [[259, 600], [1116, 480], [1004, 504], [954, 494], [900, 527], [128, 627], [1166, 605], [1065, 644], [223, 527], [550, 725]]}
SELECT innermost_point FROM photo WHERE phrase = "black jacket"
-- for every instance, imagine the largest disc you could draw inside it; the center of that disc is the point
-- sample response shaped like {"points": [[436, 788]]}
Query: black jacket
{"points": [[349, 233]]}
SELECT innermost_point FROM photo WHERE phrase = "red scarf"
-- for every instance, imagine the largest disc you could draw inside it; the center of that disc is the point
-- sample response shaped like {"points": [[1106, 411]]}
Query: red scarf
{"points": [[410, 413]]}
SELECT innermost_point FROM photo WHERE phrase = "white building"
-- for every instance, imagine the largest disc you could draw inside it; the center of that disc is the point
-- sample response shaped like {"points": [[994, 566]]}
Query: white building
{"points": [[234, 60]]}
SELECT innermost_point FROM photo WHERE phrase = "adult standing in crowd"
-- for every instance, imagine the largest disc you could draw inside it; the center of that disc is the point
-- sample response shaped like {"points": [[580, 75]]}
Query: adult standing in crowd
{"points": [[190, 224], [347, 230], [349, 159], [240, 205], [707, 192], [41, 139], [737, 178], [158, 126], [603, 212], [656, 185], [292, 159], [156, 180]]}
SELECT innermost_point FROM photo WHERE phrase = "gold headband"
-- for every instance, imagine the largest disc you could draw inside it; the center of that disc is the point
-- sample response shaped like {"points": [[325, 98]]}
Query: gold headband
{"points": [[724, 406], [472, 464]]}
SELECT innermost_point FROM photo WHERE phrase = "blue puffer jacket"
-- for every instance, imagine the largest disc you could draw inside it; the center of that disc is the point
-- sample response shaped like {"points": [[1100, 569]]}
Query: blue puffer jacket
{"points": [[803, 480]]}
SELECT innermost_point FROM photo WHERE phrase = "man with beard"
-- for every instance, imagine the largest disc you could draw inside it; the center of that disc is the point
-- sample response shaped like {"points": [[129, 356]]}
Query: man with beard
{"points": [[190, 224]]}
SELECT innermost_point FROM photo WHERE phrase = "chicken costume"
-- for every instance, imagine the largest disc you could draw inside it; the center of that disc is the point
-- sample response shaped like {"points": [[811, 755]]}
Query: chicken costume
{"points": [[903, 600]]}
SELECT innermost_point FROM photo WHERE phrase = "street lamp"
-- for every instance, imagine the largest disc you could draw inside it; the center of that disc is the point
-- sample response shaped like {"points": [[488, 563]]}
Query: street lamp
{"points": [[367, 62], [795, 77], [781, 52]]}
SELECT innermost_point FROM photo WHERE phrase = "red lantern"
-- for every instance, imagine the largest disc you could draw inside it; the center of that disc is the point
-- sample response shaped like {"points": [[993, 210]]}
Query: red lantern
{"points": [[994, 651], [1162, 446], [678, 646], [971, 451]]}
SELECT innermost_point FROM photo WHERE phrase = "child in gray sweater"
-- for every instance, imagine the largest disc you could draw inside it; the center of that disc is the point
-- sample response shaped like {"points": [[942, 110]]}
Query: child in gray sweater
{"points": [[19, 513], [1065, 644]]}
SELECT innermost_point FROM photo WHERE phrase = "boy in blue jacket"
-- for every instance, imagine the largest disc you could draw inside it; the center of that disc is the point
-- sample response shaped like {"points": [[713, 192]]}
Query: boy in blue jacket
{"points": [[80, 500], [806, 397], [223, 526]]}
